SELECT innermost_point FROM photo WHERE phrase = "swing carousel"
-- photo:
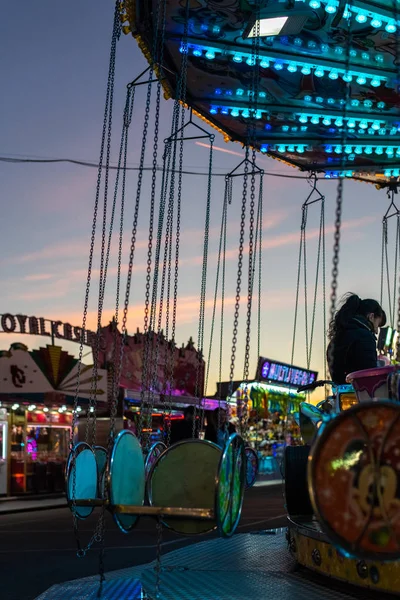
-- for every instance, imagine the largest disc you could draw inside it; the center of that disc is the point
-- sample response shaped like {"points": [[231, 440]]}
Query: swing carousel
{"points": [[313, 84]]}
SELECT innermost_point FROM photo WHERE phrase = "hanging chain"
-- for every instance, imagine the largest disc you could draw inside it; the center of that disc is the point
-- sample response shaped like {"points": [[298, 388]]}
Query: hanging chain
{"points": [[304, 233], [239, 277], [228, 192], [384, 242], [109, 95], [303, 225], [320, 241], [217, 276]]}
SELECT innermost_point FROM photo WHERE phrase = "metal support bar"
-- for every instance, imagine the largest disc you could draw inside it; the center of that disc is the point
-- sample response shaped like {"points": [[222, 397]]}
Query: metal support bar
{"points": [[150, 511]]}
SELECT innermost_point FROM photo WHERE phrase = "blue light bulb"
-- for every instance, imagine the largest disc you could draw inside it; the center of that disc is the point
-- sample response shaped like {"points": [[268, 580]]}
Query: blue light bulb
{"points": [[216, 29], [183, 49], [382, 131], [291, 148], [319, 72], [285, 128], [229, 92], [197, 52], [390, 152], [264, 63], [281, 148], [258, 114], [364, 124], [365, 56], [239, 92], [349, 174], [264, 148], [376, 22], [351, 123], [347, 77], [303, 128], [375, 82], [306, 70], [338, 149], [355, 102], [213, 110], [268, 126], [319, 99], [331, 100], [396, 172], [315, 120], [225, 110], [368, 150], [328, 149], [251, 61], [393, 131], [379, 58], [237, 58], [298, 41], [361, 80], [371, 131], [353, 53], [348, 149], [324, 48], [358, 150], [376, 126], [210, 54], [339, 122], [294, 129], [381, 105], [330, 8], [262, 94], [307, 98], [278, 66], [303, 119], [218, 92], [245, 113], [300, 149], [333, 75], [379, 150], [339, 50], [234, 112], [361, 17], [368, 103], [315, 4], [388, 173], [292, 67], [327, 121], [391, 27]]}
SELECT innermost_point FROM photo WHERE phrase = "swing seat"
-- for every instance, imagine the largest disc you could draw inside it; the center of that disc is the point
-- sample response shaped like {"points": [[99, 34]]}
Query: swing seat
{"points": [[252, 467], [353, 474], [196, 473], [371, 384], [81, 479], [184, 477], [152, 456]]}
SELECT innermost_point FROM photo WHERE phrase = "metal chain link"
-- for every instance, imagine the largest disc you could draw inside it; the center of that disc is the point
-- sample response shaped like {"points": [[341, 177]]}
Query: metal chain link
{"points": [[200, 339], [109, 94], [320, 241]]}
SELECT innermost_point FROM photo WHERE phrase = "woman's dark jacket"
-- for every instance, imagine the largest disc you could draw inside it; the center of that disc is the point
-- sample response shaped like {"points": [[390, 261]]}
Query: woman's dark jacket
{"points": [[211, 432], [352, 349]]}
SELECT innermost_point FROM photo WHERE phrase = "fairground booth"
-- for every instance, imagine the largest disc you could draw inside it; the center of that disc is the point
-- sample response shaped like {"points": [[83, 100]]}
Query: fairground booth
{"points": [[269, 405], [160, 400], [37, 391]]}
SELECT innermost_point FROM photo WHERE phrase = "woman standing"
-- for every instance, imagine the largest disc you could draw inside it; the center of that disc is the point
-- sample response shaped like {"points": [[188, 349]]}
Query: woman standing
{"points": [[352, 335]]}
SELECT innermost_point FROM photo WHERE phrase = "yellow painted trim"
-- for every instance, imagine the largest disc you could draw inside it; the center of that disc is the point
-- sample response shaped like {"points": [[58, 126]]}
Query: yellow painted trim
{"points": [[344, 569]]}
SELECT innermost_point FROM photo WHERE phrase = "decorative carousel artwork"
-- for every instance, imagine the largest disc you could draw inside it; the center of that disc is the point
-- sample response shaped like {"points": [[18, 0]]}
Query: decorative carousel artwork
{"points": [[354, 479], [326, 96]]}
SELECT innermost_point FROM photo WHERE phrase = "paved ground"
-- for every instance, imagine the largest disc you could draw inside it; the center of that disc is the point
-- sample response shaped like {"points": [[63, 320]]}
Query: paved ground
{"points": [[37, 549]]}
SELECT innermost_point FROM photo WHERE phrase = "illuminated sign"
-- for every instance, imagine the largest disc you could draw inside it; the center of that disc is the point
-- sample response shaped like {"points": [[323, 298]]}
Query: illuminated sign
{"points": [[270, 370], [39, 326]]}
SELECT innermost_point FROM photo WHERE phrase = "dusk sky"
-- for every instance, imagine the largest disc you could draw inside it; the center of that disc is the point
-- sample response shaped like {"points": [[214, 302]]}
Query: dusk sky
{"points": [[54, 71]]}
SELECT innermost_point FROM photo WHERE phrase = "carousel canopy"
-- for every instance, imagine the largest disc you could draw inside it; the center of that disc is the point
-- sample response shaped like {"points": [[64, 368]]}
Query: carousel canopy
{"points": [[327, 78]]}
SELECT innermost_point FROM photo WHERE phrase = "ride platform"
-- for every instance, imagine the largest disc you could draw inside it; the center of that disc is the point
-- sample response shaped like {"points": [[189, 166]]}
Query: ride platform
{"points": [[253, 565]]}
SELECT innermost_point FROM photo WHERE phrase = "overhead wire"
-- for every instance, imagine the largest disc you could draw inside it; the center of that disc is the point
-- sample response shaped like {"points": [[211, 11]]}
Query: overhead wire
{"points": [[83, 163]]}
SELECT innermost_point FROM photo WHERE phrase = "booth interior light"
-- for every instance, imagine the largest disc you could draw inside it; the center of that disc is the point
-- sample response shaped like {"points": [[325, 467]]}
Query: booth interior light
{"points": [[390, 151], [31, 407], [15, 406]]}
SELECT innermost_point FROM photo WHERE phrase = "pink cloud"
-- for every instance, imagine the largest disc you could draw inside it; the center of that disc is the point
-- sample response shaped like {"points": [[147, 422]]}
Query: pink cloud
{"points": [[38, 277]]}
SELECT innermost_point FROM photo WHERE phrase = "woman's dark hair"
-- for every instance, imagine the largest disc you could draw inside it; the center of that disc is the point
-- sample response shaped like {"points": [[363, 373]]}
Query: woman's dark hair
{"points": [[352, 306]]}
